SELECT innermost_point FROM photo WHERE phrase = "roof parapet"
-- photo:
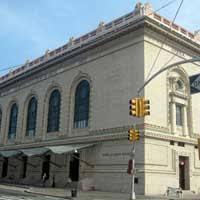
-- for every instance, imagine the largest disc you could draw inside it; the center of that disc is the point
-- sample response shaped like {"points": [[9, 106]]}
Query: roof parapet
{"points": [[139, 11], [197, 35]]}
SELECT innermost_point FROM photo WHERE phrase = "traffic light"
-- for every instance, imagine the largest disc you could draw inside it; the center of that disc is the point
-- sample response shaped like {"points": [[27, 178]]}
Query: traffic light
{"points": [[136, 135], [144, 107], [133, 134], [135, 107], [130, 134], [199, 147], [139, 107]]}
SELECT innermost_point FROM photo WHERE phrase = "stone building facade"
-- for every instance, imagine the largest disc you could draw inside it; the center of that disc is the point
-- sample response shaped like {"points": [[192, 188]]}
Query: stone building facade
{"points": [[66, 114]]}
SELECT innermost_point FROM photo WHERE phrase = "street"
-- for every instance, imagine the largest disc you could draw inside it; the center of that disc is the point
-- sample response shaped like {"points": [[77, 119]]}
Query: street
{"points": [[19, 195]]}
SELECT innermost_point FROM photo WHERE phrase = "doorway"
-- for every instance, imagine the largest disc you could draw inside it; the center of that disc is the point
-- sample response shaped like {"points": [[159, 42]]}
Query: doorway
{"points": [[184, 182], [24, 167], [74, 167], [5, 168], [46, 166]]}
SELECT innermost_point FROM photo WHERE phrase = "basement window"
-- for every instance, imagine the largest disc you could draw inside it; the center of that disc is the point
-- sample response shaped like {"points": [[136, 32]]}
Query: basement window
{"points": [[181, 144], [136, 180]]}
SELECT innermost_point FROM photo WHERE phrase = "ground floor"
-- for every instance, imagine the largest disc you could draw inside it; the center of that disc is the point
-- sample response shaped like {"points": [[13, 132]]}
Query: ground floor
{"points": [[103, 166]]}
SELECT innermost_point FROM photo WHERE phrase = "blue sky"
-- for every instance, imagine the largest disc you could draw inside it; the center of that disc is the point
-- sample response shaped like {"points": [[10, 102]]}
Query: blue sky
{"points": [[28, 28]]}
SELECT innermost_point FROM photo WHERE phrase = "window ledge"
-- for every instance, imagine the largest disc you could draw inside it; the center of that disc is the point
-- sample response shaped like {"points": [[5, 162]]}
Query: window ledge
{"points": [[80, 131], [52, 135]]}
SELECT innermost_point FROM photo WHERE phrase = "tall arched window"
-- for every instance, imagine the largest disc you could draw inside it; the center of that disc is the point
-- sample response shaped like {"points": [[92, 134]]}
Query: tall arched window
{"points": [[31, 117], [0, 118], [13, 121], [81, 109], [54, 112]]}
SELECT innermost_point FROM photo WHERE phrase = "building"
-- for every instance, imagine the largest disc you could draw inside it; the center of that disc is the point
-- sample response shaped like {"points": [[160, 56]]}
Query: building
{"points": [[66, 113]]}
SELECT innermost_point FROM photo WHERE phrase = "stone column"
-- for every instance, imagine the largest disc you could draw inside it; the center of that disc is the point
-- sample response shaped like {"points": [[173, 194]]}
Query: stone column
{"points": [[173, 122], [185, 124]]}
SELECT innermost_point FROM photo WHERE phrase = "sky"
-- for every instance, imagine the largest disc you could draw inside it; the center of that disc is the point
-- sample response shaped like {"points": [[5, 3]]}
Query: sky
{"points": [[29, 28]]}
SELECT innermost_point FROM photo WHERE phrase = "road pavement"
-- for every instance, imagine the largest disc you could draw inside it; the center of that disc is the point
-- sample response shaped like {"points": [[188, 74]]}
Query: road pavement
{"points": [[12, 192], [6, 194]]}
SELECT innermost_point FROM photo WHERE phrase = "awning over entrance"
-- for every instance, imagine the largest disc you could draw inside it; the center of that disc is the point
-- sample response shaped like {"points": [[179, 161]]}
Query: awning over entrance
{"points": [[68, 148], [43, 150], [10, 153], [34, 151]]}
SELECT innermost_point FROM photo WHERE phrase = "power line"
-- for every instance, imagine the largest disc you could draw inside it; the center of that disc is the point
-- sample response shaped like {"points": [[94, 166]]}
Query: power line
{"points": [[164, 41], [9, 68], [162, 7]]}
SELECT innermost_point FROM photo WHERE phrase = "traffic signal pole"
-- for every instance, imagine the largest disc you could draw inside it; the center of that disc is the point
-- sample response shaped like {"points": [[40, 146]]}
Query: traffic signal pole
{"points": [[192, 60], [133, 173], [139, 107]]}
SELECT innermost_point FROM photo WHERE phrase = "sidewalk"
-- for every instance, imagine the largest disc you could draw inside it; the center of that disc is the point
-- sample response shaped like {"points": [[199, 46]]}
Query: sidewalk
{"points": [[81, 195]]}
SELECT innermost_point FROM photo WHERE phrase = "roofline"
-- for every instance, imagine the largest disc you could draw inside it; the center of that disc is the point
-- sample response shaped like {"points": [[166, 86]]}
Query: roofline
{"points": [[100, 35]]}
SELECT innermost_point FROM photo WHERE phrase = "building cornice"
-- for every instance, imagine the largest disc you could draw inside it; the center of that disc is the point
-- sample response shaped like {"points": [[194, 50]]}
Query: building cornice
{"points": [[142, 16], [172, 34], [110, 134], [8, 79]]}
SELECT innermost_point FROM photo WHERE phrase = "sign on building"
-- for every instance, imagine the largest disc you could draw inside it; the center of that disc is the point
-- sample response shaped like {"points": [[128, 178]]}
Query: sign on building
{"points": [[194, 83]]}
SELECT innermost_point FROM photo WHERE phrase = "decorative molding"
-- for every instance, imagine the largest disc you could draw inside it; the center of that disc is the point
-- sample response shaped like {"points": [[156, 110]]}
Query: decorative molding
{"points": [[169, 137], [99, 136], [122, 24]]}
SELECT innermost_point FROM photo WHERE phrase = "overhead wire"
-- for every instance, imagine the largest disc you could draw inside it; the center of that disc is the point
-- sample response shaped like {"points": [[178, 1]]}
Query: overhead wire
{"points": [[162, 7], [9, 68], [164, 41]]}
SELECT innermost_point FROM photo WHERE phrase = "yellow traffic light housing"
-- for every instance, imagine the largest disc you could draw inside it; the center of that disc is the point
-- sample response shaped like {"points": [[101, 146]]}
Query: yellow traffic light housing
{"points": [[134, 107], [133, 134], [136, 135], [145, 107], [130, 134], [139, 107]]}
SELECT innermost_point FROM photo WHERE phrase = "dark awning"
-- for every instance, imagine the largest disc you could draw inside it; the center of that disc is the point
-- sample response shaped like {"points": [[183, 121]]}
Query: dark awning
{"points": [[43, 150], [10, 153], [34, 151], [68, 148]]}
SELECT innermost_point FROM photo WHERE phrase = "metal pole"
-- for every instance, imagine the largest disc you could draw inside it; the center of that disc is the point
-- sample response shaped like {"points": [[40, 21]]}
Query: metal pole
{"points": [[192, 60], [133, 171]]}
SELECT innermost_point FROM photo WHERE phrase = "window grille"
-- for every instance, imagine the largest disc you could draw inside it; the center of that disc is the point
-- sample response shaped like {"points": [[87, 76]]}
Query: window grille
{"points": [[31, 117], [81, 110], [54, 112], [13, 121]]}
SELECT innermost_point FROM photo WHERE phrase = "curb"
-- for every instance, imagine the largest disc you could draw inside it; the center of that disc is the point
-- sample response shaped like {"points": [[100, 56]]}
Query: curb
{"points": [[50, 195]]}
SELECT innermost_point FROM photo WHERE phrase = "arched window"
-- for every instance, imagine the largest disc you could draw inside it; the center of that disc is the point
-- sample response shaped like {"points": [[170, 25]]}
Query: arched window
{"points": [[13, 121], [81, 109], [179, 102], [0, 118], [31, 117], [54, 112], [179, 85]]}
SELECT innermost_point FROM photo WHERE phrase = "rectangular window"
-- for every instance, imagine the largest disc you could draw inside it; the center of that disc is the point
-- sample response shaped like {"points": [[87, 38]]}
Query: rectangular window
{"points": [[181, 144], [179, 110]]}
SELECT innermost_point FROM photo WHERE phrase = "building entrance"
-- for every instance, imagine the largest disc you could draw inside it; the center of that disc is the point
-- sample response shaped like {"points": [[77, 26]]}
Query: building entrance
{"points": [[24, 167], [5, 168], [74, 167], [46, 167], [184, 182]]}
